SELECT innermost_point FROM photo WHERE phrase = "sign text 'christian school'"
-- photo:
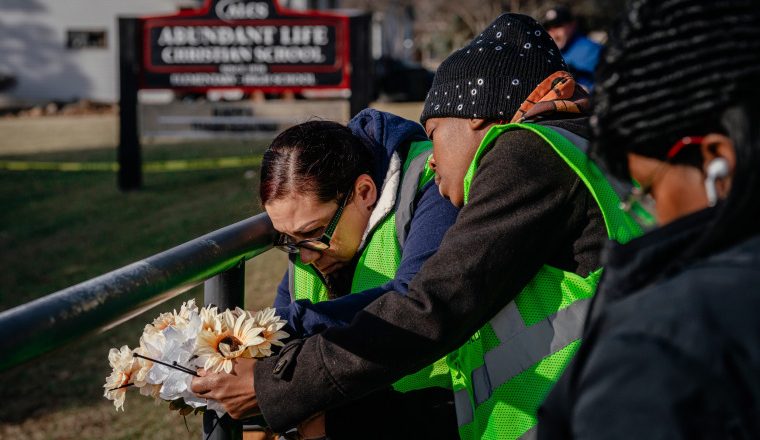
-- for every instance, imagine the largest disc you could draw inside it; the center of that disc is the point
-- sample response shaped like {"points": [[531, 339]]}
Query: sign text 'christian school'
{"points": [[246, 45]]}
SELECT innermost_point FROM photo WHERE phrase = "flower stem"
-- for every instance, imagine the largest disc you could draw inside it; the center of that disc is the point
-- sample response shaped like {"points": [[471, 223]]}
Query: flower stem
{"points": [[175, 365], [123, 386]]}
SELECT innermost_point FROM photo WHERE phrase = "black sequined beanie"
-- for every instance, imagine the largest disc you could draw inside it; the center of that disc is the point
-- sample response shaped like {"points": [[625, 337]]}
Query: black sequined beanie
{"points": [[491, 76]]}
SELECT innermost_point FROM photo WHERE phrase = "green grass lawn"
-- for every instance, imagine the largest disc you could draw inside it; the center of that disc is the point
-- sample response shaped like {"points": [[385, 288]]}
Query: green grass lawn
{"points": [[58, 229]]}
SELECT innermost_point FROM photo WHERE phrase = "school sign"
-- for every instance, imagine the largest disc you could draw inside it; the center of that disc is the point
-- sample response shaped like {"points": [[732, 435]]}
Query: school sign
{"points": [[247, 45], [252, 45]]}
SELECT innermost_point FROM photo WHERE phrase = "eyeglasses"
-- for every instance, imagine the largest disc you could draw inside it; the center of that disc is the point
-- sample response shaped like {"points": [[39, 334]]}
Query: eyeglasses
{"points": [[320, 244], [640, 204]]}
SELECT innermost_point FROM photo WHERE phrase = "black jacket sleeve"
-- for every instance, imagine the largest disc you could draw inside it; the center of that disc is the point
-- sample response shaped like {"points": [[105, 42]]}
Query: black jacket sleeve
{"points": [[525, 206], [623, 363]]}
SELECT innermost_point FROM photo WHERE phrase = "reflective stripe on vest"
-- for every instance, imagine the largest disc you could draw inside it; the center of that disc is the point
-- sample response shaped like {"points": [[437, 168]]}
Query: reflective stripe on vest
{"points": [[504, 371], [380, 259], [522, 348]]}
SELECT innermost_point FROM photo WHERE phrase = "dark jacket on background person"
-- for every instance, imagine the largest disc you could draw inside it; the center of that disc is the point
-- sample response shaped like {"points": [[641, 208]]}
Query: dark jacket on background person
{"points": [[582, 55], [671, 352], [527, 208]]}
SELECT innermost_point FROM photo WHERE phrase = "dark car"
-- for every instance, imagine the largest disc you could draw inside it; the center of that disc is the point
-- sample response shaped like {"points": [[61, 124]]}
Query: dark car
{"points": [[400, 80]]}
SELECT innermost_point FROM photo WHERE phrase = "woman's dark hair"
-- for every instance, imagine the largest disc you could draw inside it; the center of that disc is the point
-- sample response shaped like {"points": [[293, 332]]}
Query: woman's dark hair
{"points": [[320, 158]]}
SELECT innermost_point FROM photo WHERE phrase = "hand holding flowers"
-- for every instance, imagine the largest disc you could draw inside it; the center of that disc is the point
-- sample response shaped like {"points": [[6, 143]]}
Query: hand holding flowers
{"points": [[176, 344], [234, 391]]}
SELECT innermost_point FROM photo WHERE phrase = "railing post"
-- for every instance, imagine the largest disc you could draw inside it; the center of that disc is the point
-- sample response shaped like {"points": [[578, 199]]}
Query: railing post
{"points": [[226, 291]]}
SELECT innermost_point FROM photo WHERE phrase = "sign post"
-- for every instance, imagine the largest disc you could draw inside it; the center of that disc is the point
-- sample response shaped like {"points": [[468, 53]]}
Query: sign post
{"points": [[130, 163], [361, 63]]}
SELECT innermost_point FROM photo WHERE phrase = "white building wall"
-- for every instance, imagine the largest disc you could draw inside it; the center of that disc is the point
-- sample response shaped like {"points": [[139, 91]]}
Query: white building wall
{"points": [[33, 46]]}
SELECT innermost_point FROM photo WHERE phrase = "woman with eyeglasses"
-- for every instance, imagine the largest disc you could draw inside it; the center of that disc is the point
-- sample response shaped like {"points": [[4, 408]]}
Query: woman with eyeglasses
{"points": [[359, 213], [672, 345]]}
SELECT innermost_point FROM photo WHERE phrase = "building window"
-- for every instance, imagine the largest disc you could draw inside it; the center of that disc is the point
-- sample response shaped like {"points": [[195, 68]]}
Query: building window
{"points": [[86, 39]]}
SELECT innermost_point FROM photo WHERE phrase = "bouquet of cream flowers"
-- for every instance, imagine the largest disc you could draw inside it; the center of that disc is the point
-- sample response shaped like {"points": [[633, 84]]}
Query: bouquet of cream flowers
{"points": [[176, 344]]}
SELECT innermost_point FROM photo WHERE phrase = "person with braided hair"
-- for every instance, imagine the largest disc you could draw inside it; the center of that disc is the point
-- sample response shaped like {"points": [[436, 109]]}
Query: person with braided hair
{"points": [[672, 344]]}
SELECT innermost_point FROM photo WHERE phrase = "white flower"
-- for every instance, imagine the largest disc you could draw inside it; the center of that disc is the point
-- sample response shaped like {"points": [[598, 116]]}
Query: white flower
{"points": [[151, 346], [233, 335], [176, 383], [272, 334], [173, 319], [124, 367], [177, 343], [161, 322], [186, 314], [209, 316], [188, 309], [173, 345]]}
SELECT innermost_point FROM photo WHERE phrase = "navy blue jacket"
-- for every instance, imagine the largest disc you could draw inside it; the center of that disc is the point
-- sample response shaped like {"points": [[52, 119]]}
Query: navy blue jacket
{"points": [[582, 55], [384, 134]]}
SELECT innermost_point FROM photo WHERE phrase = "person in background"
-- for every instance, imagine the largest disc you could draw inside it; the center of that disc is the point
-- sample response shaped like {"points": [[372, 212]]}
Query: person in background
{"points": [[507, 291], [672, 349], [580, 53]]}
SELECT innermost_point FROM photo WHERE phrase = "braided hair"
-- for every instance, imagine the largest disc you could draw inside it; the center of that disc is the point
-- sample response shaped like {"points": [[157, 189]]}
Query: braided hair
{"points": [[676, 68], [670, 68]]}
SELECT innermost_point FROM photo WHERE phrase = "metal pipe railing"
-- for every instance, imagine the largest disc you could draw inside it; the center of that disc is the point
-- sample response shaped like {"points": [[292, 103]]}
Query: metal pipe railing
{"points": [[110, 299]]}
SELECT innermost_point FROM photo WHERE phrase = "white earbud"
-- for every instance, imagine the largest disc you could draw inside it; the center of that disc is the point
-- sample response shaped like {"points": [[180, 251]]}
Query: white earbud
{"points": [[716, 169]]}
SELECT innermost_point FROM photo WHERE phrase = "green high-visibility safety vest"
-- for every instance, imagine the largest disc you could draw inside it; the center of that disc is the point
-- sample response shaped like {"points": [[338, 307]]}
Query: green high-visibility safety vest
{"points": [[506, 369], [380, 259]]}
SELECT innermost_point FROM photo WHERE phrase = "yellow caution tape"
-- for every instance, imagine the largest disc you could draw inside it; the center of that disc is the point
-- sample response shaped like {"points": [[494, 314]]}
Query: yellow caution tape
{"points": [[148, 167]]}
